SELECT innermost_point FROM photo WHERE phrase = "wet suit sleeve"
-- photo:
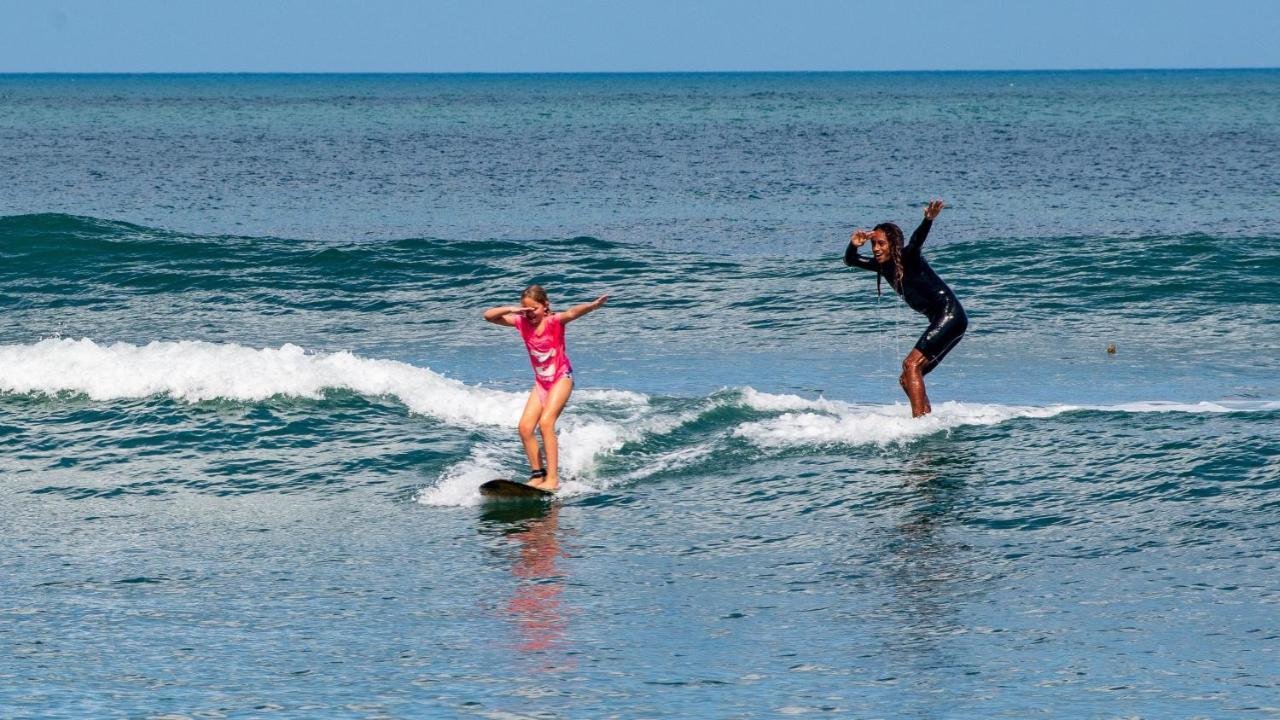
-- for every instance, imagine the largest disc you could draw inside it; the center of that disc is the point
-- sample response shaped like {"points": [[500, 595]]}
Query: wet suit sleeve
{"points": [[853, 259], [917, 237]]}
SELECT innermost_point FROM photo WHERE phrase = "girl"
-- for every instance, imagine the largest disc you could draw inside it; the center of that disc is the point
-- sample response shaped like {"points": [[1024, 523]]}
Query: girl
{"points": [[543, 334], [922, 289]]}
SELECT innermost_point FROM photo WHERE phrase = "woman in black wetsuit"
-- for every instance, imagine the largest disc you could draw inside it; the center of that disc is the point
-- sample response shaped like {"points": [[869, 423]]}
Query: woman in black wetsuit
{"points": [[922, 289]]}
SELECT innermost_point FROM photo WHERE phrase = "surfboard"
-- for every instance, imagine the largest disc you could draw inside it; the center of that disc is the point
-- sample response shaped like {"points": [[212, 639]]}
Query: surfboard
{"points": [[510, 489]]}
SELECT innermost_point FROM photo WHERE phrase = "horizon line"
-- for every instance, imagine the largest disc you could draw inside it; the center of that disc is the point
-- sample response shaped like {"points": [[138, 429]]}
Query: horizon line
{"points": [[635, 72]]}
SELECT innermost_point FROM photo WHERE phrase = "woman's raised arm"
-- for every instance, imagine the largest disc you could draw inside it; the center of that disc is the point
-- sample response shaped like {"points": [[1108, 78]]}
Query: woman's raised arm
{"points": [[930, 212]]}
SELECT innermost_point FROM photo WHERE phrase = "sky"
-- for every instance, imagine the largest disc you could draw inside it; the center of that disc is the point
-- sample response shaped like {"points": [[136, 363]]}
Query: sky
{"points": [[632, 36]]}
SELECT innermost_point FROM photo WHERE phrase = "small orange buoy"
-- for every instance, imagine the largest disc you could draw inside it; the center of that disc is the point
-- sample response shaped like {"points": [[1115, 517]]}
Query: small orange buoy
{"points": [[1111, 348]]}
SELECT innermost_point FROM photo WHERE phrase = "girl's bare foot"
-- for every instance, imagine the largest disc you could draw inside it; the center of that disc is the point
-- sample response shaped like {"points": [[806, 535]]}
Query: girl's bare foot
{"points": [[550, 483]]}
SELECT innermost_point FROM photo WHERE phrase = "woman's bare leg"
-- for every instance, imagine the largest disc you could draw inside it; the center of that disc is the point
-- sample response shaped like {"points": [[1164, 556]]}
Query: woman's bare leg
{"points": [[556, 398], [529, 425], [912, 382]]}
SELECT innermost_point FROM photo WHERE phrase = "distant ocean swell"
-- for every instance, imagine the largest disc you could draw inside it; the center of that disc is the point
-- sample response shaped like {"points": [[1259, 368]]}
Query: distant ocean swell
{"points": [[1191, 300], [1057, 273]]}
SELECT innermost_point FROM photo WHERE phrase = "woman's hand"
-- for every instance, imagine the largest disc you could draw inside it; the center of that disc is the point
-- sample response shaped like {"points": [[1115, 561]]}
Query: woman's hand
{"points": [[932, 209], [600, 301], [859, 237]]}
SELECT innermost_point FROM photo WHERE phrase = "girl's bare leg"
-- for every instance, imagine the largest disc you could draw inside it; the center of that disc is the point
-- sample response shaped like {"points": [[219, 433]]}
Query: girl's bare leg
{"points": [[556, 399], [528, 425], [912, 382]]}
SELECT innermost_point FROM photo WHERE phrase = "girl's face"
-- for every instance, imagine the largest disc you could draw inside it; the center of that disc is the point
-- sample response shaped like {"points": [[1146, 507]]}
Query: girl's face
{"points": [[880, 246], [534, 311]]}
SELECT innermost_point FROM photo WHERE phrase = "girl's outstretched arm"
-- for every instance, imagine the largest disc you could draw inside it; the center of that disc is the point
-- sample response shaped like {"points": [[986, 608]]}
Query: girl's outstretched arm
{"points": [[578, 311], [501, 315]]}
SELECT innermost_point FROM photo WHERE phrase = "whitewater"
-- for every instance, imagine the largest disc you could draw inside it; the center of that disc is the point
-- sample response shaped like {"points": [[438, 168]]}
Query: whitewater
{"points": [[600, 423]]}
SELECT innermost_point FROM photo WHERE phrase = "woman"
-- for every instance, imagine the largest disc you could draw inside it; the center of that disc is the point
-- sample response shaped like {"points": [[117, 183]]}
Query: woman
{"points": [[922, 289], [543, 335]]}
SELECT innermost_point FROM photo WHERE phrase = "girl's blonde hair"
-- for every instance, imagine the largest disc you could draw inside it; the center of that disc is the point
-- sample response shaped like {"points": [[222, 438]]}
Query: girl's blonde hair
{"points": [[536, 294]]}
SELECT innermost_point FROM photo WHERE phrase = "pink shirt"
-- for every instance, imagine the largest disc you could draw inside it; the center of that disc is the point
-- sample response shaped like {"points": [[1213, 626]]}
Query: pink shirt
{"points": [[546, 349]]}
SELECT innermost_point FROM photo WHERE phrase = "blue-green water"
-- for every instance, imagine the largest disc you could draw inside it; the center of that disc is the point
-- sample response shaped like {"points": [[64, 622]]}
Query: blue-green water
{"points": [[246, 397]]}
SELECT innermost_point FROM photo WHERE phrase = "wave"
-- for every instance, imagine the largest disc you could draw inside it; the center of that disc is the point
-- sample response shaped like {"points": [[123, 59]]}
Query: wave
{"points": [[193, 371], [837, 423], [196, 371], [57, 260], [51, 236], [75, 275], [664, 434]]}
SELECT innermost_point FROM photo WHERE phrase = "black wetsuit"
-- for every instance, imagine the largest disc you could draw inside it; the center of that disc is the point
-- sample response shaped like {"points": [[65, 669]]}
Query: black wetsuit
{"points": [[925, 292]]}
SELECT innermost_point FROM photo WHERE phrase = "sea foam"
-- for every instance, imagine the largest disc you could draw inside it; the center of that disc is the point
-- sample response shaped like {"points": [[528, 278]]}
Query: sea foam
{"points": [[828, 422], [196, 371], [819, 422], [600, 422]]}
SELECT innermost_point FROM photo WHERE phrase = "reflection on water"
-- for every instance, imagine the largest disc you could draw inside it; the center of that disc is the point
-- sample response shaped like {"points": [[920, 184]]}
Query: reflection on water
{"points": [[536, 607], [928, 574]]}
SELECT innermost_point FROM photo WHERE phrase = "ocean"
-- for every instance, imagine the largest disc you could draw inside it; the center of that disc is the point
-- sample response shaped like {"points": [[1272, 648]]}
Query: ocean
{"points": [[247, 396]]}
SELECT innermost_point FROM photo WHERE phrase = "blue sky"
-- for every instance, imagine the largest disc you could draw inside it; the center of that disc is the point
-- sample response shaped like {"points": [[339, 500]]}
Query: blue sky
{"points": [[653, 35]]}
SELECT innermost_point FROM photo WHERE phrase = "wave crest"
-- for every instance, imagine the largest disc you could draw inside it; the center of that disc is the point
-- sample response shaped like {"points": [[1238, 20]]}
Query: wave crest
{"points": [[196, 371], [608, 437]]}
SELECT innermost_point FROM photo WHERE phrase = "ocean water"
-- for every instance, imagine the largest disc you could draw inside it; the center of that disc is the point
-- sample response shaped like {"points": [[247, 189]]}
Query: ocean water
{"points": [[246, 397]]}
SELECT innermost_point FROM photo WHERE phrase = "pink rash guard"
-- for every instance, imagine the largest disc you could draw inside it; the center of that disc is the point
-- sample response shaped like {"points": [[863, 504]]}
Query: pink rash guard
{"points": [[546, 351]]}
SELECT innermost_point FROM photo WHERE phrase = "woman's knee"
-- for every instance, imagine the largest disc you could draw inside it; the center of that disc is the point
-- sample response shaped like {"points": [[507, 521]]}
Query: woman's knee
{"points": [[912, 371], [527, 427]]}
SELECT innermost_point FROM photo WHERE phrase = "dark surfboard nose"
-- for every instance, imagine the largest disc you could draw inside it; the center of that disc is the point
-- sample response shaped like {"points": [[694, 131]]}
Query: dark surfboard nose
{"points": [[510, 489]]}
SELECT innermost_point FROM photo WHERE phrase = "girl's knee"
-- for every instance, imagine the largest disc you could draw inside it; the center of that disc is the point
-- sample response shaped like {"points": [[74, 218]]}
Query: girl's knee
{"points": [[526, 429]]}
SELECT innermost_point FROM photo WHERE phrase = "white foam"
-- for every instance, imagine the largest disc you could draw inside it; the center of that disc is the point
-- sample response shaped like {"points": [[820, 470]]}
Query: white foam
{"points": [[600, 422], [768, 402], [831, 422], [199, 371], [459, 485], [584, 438], [845, 424], [669, 461], [1223, 406], [196, 371], [621, 398], [582, 441]]}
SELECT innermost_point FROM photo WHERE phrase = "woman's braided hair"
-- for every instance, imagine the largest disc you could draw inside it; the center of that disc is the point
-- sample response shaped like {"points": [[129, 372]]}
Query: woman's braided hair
{"points": [[894, 234]]}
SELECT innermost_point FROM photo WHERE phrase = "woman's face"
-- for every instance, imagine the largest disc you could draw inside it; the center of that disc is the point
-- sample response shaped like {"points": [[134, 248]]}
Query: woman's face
{"points": [[880, 246], [534, 311]]}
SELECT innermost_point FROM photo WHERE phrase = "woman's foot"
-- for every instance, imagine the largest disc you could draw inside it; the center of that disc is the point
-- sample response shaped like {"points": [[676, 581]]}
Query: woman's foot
{"points": [[536, 477]]}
